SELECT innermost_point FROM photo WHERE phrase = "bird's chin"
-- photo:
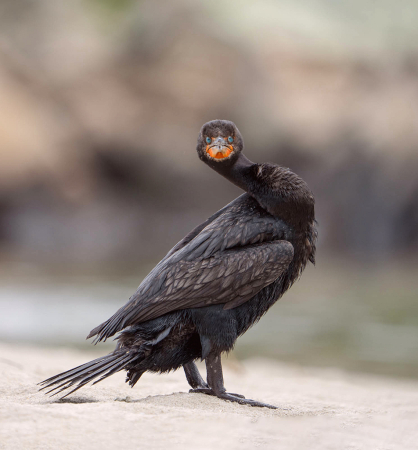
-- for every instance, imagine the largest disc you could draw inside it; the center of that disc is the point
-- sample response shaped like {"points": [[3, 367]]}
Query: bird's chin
{"points": [[221, 152]]}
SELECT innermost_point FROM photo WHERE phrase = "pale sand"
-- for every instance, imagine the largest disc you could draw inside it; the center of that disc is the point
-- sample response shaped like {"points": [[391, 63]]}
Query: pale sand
{"points": [[320, 409]]}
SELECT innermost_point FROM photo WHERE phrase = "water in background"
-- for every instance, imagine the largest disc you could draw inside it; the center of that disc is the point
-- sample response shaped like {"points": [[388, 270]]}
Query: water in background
{"points": [[338, 314]]}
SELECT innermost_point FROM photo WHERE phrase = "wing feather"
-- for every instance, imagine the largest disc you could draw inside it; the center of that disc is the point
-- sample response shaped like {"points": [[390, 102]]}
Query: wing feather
{"points": [[228, 261]]}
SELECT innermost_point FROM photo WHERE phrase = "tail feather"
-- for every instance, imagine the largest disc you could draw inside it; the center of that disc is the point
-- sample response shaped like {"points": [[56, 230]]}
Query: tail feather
{"points": [[114, 369], [79, 370], [66, 374], [81, 375], [119, 365]]}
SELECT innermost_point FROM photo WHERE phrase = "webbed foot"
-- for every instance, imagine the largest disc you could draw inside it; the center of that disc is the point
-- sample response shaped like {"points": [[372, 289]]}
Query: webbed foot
{"points": [[208, 391], [216, 384], [244, 401]]}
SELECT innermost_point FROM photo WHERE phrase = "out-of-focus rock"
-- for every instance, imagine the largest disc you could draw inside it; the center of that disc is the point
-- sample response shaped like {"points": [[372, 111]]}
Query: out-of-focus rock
{"points": [[101, 103]]}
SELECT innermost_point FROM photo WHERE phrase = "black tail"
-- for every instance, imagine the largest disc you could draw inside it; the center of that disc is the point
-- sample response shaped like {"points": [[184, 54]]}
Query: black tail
{"points": [[81, 375]]}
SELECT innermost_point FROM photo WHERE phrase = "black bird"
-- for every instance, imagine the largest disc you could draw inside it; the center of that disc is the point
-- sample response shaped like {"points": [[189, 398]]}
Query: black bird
{"points": [[215, 283]]}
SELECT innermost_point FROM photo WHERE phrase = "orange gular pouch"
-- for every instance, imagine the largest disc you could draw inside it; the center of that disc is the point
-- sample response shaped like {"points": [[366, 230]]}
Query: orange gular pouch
{"points": [[217, 153]]}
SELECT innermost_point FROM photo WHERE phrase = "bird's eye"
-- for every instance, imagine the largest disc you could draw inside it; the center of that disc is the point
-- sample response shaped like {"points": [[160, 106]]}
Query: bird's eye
{"points": [[230, 139], [208, 140]]}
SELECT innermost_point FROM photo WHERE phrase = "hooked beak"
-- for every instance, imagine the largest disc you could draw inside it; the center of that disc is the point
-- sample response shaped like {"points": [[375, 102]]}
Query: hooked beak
{"points": [[219, 148]]}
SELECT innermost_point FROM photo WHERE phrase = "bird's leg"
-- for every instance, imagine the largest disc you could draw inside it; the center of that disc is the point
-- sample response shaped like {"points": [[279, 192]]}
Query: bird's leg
{"points": [[196, 381], [193, 376], [216, 384]]}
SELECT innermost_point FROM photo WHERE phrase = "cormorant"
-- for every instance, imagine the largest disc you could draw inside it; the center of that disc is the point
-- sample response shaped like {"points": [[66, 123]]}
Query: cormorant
{"points": [[215, 283]]}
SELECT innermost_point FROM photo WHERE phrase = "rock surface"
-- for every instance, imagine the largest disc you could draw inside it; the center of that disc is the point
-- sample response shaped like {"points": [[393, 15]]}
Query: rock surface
{"points": [[319, 408]]}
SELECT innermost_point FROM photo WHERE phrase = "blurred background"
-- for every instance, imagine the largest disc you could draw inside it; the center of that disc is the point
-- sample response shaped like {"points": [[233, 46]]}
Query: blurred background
{"points": [[101, 102]]}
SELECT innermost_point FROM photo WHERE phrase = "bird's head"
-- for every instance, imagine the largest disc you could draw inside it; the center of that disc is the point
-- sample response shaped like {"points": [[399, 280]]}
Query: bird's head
{"points": [[219, 143]]}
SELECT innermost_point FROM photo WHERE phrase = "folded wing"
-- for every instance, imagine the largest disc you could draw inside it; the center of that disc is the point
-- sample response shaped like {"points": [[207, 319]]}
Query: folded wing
{"points": [[227, 262]]}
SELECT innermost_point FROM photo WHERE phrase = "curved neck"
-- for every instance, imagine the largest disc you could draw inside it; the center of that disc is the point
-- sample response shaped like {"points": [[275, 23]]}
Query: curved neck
{"points": [[277, 190], [238, 173]]}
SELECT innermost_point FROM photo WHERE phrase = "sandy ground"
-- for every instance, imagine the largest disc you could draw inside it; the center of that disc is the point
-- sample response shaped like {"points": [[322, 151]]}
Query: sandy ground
{"points": [[319, 409]]}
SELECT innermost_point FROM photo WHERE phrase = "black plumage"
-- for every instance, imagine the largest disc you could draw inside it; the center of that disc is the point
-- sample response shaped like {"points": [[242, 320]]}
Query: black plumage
{"points": [[215, 283]]}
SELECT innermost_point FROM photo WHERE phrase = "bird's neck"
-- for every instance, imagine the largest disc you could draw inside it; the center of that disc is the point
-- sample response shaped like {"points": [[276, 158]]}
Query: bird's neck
{"points": [[243, 173], [278, 190], [240, 173]]}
